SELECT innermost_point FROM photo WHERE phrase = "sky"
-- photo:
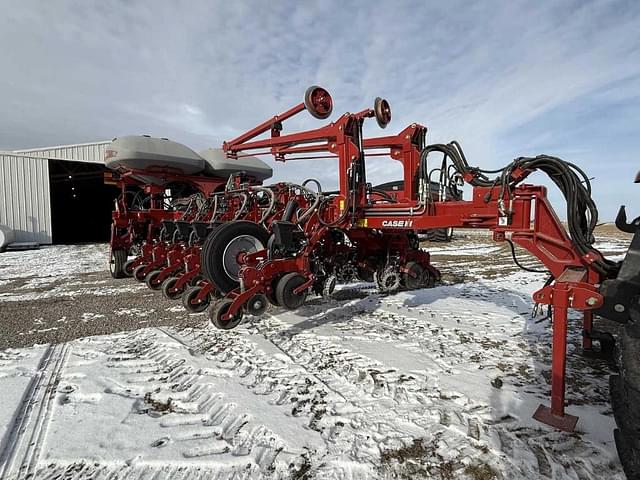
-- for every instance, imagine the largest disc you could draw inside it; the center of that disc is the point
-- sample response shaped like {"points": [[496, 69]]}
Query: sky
{"points": [[505, 79]]}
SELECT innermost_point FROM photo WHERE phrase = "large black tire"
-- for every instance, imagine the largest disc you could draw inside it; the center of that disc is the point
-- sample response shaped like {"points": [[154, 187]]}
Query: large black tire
{"points": [[625, 401], [117, 263], [438, 235], [219, 249]]}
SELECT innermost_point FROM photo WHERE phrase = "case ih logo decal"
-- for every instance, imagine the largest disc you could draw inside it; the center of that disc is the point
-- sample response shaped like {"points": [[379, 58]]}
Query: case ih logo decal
{"points": [[397, 223]]}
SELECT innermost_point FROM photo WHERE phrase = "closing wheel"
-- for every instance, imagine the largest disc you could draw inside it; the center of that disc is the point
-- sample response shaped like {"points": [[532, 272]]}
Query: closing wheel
{"points": [[190, 302], [285, 291], [221, 249], [257, 305], [129, 268], [382, 111], [428, 280], [388, 279], [318, 102], [152, 280], [196, 280], [219, 309], [169, 289], [329, 285], [413, 278], [117, 262], [138, 273]]}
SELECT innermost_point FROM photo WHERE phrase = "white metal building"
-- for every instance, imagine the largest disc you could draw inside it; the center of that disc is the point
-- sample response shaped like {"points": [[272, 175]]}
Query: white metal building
{"points": [[55, 194]]}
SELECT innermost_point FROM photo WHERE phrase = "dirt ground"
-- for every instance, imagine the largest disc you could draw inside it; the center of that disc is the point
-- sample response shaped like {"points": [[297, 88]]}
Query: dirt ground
{"points": [[80, 305], [50, 309]]}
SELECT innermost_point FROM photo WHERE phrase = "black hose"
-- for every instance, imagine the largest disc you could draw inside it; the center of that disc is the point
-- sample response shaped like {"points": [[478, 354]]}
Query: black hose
{"points": [[289, 210], [384, 194], [571, 180], [515, 260], [338, 220]]}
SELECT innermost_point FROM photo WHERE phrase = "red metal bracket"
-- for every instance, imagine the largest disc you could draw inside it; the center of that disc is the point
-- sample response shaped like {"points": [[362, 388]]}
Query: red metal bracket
{"points": [[569, 291]]}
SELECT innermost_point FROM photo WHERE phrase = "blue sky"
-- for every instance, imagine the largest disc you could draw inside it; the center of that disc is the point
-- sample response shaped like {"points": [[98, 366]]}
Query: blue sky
{"points": [[504, 78]]}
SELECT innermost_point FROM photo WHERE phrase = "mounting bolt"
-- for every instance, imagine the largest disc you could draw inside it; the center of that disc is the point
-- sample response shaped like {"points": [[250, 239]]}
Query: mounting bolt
{"points": [[618, 307], [591, 301]]}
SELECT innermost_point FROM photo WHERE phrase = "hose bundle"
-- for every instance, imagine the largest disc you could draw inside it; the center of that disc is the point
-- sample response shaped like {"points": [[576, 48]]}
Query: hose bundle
{"points": [[571, 180]]}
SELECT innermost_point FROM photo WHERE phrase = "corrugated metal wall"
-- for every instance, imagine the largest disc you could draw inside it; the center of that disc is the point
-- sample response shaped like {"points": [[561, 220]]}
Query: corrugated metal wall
{"points": [[25, 201], [85, 152]]}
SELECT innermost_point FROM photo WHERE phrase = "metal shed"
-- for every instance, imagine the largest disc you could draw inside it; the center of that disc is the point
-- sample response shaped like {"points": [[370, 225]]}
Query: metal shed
{"points": [[81, 152], [37, 185]]}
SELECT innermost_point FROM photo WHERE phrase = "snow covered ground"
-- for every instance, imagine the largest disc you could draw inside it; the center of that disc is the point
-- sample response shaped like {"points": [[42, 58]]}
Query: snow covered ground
{"points": [[437, 383]]}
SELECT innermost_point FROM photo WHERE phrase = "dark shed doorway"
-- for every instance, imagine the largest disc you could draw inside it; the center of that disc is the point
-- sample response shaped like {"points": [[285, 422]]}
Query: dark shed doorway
{"points": [[81, 203]]}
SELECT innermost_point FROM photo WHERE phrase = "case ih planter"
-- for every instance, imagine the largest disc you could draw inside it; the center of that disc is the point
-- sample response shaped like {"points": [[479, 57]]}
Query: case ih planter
{"points": [[227, 237], [366, 230]]}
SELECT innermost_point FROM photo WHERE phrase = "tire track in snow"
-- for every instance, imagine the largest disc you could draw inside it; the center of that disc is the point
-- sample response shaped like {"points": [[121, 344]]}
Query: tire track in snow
{"points": [[360, 412], [545, 451], [163, 380], [84, 470], [22, 450]]}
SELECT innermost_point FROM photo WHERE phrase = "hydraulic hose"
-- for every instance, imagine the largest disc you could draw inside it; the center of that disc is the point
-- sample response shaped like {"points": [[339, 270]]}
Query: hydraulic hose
{"points": [[245, 200], [571, 180], [316, 202], [272, 202]]}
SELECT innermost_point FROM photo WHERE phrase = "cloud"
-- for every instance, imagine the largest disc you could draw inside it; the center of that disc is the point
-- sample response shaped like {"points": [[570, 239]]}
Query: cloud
{"points": [[504, 78]]}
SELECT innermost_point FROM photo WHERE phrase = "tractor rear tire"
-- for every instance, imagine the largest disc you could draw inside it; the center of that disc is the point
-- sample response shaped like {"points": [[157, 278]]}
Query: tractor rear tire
{"points": [[117, 263], [439, 235], [220, 249], [625, 401]]}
